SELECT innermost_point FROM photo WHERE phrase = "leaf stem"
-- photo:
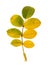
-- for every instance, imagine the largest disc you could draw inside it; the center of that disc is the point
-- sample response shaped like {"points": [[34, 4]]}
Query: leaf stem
{"points": [[22, 45]]}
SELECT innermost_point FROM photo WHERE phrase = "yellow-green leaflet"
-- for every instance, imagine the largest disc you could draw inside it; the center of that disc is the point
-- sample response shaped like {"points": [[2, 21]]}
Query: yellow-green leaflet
{"points": [[32, 23], [27, 12], [13, 32], [16, 42], [28, 44], [29, 34], [16, 20]]}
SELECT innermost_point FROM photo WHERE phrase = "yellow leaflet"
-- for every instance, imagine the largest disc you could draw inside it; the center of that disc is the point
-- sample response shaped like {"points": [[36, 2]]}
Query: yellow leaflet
{"points": [[28, 44], [16, 42], [32, 23], [29, 34]]}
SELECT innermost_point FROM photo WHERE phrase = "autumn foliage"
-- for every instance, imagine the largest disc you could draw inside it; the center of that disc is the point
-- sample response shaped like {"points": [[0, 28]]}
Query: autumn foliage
{"points": [[30, 24]]}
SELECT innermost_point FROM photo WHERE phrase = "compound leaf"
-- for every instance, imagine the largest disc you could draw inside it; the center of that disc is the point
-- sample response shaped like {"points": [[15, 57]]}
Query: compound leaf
{"points": [[13, 32], [16, 42], [28, 44], [27, 12], [29, 34], [16, 20], [32, 23]]}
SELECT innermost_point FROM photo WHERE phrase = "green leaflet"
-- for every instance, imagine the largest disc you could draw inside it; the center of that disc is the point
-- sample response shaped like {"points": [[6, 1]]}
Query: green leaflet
{"points": [[16, 42], [27, 12], [16, 20], [13, 32]]}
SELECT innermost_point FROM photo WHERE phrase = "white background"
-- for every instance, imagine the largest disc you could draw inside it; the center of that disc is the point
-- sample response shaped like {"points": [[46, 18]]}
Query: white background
{"points": [[39, 55]]}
